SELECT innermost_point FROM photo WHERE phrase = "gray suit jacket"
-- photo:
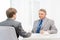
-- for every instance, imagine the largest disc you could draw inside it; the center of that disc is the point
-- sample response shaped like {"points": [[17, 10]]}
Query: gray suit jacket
{"points": [[47, 25], [16, 25]]}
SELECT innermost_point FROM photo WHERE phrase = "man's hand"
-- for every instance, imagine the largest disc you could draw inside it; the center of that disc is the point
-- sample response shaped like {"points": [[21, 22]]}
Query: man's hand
{"points": [[27, 35], [43, 32]]}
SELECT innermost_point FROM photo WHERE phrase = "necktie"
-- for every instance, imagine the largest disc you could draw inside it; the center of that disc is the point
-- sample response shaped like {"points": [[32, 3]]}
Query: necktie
{"points": [[39, 26]]}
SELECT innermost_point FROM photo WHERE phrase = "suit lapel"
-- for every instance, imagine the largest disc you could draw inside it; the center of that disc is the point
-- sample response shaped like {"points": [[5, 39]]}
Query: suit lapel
{"points": [[44, 23]]}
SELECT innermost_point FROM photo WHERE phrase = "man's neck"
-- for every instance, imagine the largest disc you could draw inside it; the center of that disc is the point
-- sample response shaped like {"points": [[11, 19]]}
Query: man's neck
{"points": [[12, 18]]}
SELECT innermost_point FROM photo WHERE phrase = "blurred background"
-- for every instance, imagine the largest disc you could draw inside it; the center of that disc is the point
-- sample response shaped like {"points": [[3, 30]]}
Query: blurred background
{"points": [[28, 11]]}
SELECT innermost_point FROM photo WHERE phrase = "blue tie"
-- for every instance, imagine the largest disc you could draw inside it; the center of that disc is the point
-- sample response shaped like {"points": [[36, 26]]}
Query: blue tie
{"points": [[39, 26]]}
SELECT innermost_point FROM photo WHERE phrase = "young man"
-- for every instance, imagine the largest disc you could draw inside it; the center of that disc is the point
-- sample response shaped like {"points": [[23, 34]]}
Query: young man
{"points": [[11, 16]]}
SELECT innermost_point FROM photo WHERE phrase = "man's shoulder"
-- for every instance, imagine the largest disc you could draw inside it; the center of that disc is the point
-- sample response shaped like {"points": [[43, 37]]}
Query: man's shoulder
{"points": [[16, 22], [50, 20], [10, 22]]}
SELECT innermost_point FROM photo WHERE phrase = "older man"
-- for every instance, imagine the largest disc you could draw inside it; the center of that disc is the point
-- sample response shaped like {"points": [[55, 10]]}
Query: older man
{"points": [[44, 24]]}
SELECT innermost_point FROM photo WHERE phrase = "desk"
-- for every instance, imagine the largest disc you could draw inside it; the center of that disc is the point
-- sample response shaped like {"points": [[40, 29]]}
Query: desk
{"points": [[43, 37]]}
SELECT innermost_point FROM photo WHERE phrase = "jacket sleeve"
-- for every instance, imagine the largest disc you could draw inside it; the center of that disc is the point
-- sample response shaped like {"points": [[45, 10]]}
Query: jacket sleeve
{"points": [[33, 29], [53, 29], [21, 32]]}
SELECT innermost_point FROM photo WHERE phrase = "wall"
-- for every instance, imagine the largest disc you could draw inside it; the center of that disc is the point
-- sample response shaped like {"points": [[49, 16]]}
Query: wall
{"points": [[28, 11], [4, 5]]}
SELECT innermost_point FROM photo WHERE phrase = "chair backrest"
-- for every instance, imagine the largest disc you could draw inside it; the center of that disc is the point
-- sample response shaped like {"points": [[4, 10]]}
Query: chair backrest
{"points": [[7, 33]]}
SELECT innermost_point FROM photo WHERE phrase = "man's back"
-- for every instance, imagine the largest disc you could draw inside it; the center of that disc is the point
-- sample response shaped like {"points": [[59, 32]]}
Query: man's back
{"points": [[18, 28], [11, 15], [12, 23]]}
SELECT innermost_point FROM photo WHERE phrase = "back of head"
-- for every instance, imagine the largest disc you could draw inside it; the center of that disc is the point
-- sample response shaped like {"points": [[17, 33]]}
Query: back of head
{"points": [[10, 12]]}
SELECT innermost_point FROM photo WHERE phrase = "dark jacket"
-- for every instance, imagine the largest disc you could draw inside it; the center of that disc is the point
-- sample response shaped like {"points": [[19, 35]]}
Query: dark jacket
{"points": [[17, 25]]}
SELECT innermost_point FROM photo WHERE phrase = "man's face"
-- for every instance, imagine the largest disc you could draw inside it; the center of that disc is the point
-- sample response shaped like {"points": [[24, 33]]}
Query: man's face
{"points": [[42, 14]]}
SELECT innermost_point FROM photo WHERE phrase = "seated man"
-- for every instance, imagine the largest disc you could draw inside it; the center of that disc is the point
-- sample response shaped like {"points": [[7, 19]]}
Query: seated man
{"points": [[11, 16], [44, 24]]}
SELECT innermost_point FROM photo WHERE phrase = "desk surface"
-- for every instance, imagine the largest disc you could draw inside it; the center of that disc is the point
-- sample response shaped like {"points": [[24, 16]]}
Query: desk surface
{"points": [[43, 37]]}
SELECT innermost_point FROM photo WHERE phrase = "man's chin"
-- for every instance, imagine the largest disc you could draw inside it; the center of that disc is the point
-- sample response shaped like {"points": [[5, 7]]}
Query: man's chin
{"points": [[41, 18]]}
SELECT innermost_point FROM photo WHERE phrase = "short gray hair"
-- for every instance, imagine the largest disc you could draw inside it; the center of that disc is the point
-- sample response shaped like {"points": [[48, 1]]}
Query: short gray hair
{"points": [[43, 10]]}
